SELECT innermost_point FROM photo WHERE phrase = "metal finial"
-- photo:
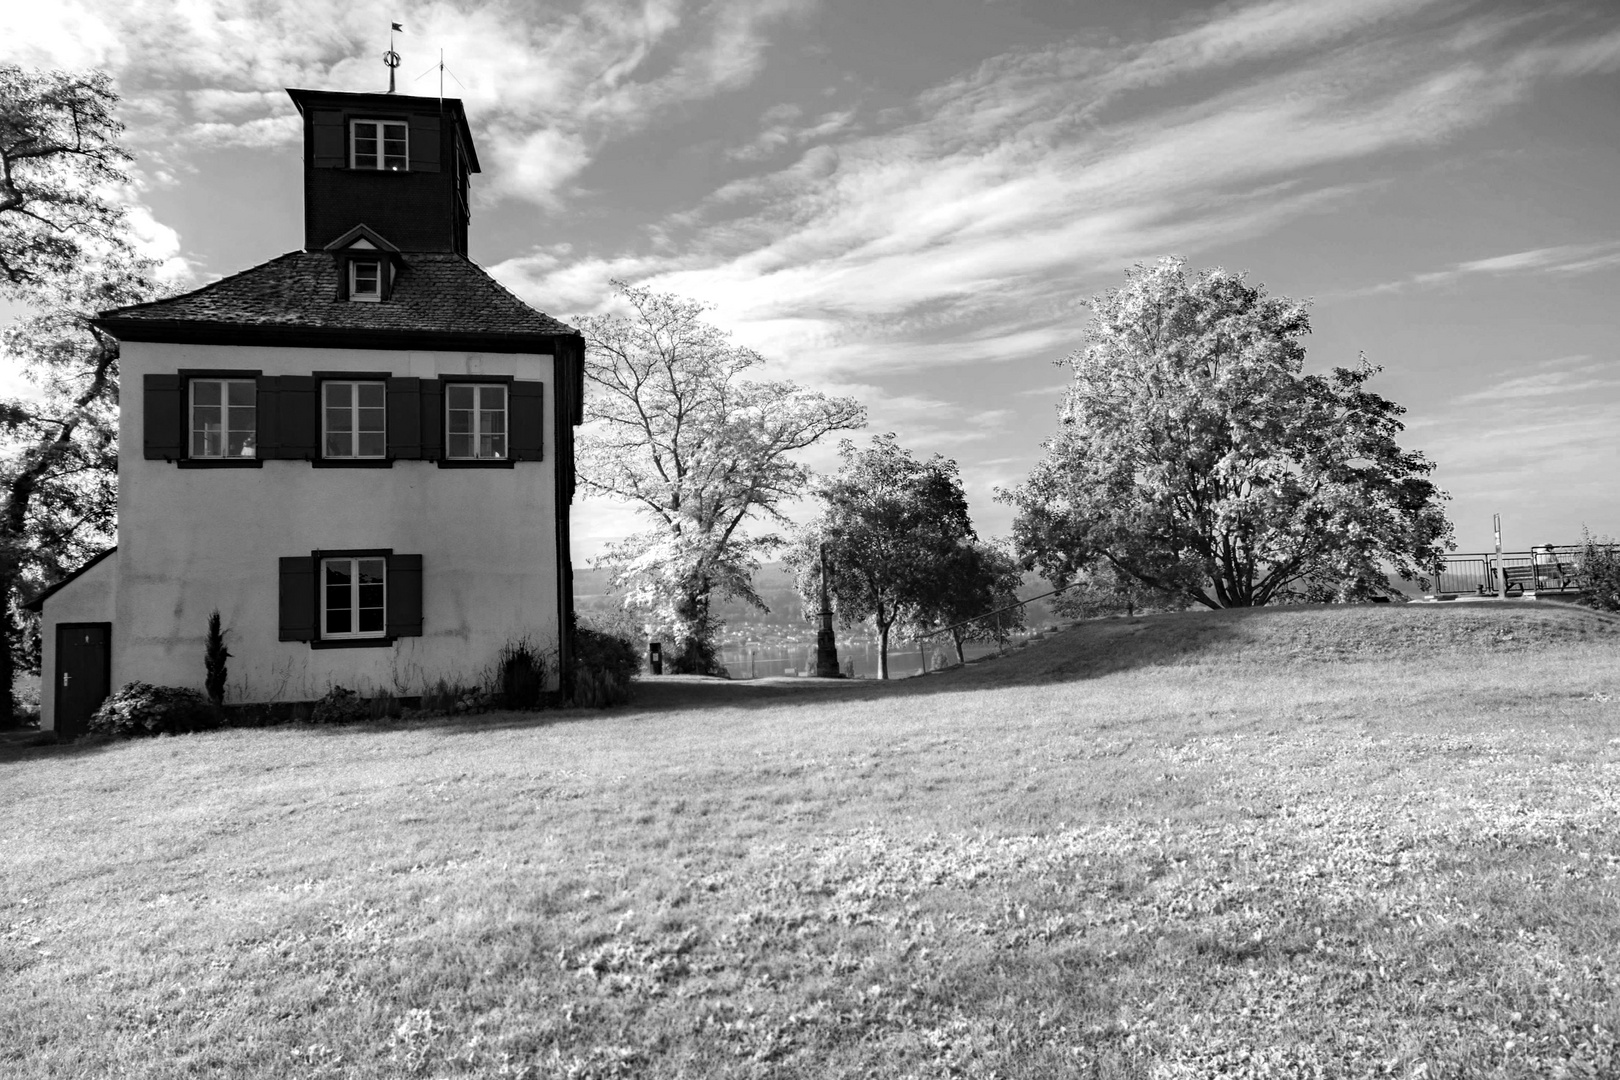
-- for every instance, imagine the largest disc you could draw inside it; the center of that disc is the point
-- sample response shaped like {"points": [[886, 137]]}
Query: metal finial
{"points": [[391, 58]]}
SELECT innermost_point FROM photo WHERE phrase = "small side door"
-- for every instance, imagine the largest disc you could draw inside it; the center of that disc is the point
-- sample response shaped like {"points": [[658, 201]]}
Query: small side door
{"points": [[83, 675]]}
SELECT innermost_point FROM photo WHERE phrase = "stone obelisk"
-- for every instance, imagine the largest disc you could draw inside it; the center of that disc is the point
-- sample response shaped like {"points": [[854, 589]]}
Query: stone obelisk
{"points": [[826, 646]]}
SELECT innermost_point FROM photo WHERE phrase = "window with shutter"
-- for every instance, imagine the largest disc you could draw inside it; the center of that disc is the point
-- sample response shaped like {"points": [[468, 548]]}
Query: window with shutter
{"points": [[432, 430], [404, 596], [297, 598], [528, 421], [350, 599], [298, 417], [425, 139], [405, 418], [269, 416], [162, 398], [326, 136]]}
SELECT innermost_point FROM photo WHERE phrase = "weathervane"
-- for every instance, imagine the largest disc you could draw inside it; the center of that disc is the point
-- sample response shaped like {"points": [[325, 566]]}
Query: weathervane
{"points": [[391, 58]]}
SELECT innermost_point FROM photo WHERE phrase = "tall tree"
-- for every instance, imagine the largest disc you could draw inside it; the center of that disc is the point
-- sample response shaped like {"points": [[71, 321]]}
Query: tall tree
{"points": [[64, 254], [979, 597], [679, 427], [59, 156], [1195, 456], [892, 527]]}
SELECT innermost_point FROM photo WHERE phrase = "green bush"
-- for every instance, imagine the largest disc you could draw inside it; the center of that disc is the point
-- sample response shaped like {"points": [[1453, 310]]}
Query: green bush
{"points": [[1599, 561], [340, 706], [139, 709], [604, 665], [521, 673]]}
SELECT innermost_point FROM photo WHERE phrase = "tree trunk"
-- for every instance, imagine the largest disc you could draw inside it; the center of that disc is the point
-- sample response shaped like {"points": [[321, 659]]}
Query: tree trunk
{"points": [[883, 650], [957, 638], [8, 658]]}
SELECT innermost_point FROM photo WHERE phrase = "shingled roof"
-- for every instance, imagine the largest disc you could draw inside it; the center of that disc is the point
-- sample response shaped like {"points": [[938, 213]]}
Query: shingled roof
{"points": [[438, 298]]}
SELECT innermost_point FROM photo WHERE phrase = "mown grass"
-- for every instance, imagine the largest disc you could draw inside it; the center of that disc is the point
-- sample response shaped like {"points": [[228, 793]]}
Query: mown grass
{"points": [[1323, 842]]}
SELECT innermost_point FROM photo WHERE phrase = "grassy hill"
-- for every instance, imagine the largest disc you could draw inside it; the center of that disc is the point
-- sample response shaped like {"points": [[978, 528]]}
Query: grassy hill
{"points": [[1373, 841]]}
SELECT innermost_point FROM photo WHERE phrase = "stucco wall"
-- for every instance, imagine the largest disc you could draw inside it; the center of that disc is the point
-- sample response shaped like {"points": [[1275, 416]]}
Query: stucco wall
{"points": [[88, 598], [192, 540]]}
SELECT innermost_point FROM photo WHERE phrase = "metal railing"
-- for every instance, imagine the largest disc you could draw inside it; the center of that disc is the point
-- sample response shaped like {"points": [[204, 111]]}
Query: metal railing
{"points": [[1543, 570]]}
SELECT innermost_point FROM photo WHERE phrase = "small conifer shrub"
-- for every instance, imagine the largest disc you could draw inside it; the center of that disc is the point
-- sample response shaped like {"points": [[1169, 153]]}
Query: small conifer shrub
{"points": [[214, 656]]}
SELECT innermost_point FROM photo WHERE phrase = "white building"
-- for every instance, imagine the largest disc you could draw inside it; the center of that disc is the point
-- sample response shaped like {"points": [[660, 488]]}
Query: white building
{"points": [[359, 453]]}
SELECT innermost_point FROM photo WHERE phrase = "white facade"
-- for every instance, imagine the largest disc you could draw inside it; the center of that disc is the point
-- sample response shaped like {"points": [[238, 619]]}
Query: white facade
{"points": [[194, 540]]}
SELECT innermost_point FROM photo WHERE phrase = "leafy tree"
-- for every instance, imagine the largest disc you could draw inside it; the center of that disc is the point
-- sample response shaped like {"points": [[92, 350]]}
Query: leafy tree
{"points": [[979, 597], [1101, 589], [679, 429], [892, 526], [64, 254], [59, 155], [1599, 562], [1195, 457]]}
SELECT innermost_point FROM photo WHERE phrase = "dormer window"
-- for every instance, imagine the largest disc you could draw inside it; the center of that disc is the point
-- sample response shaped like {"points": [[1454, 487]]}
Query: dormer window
{"points": [[379, 144], [365, 279]]}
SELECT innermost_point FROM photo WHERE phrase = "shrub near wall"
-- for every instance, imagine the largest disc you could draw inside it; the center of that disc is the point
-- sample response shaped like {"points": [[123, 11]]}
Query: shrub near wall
{"points": [[604, 665], [139, 709]]}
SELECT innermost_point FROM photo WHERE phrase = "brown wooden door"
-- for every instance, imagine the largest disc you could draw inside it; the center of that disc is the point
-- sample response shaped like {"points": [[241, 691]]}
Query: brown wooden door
{"points": [[83, 675]]}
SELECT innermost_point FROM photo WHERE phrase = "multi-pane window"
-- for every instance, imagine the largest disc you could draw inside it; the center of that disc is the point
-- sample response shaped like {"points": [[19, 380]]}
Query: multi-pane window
{"points": [[222, 418], [354, 597], [354, 420], [365, 280], [379, 144], [475, 421]]}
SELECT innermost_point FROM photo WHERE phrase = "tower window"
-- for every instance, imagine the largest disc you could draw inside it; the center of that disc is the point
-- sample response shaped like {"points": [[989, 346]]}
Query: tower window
{"points": [[365, 280], [379, 144]]}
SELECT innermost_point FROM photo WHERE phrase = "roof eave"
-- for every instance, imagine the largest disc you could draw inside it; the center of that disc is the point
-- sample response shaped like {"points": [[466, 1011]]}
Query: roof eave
{"points": [[197, 332], [38, 602]]}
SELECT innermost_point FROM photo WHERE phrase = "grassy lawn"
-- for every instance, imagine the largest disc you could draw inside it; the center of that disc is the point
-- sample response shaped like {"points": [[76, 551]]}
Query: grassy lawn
{"points": [[1300, 842]]}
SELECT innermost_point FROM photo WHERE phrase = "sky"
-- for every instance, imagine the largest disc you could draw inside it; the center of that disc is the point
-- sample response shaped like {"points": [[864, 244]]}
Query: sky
{"points": [[909, 201]]}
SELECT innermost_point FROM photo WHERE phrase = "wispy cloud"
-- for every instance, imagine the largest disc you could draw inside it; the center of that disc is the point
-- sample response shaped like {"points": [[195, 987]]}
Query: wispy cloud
{"points": [[1563, 259], [1544, 431], [550, 87], [977, 214]]}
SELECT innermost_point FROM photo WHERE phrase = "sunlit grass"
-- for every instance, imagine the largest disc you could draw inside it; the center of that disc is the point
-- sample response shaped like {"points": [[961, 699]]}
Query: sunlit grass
{"points": [[1350, 842]]}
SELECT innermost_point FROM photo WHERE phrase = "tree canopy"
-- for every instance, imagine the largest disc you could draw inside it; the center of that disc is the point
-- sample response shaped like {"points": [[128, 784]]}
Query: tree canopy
{"points": [[1194, 455], [59, 161], [65, 254], [893, 527], [679, 428], [978, 600]]}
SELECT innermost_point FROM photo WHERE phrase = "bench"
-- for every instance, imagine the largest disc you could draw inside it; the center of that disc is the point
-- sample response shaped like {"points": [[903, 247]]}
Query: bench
{"points": [[1525, 576]]}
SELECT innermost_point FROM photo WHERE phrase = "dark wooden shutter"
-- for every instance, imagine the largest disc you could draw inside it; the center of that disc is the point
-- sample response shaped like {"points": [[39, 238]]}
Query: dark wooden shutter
{"points": [[405, 418], [298, 598], [526, 417], [267, 417], [404, 596], [163, 399], [432, 419], [330, 149], [298, 417], [424, 144]]}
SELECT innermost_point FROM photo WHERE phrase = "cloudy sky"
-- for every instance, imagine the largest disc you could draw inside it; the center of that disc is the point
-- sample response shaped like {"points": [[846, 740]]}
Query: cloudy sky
{"points": [[907, 200]]}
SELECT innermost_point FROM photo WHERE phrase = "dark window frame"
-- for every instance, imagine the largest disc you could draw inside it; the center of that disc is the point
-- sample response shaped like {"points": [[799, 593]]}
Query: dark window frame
{"points": [[445, 461], [351, 157], [381, 641], [186, 461]]}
